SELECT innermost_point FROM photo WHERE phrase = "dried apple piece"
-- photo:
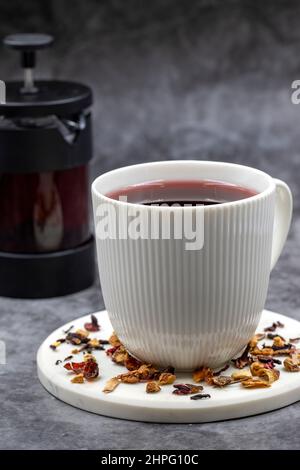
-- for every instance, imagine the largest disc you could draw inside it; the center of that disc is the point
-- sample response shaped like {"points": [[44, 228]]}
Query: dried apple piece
{"points": [[152, 387], [166, 378], [111, 384]]}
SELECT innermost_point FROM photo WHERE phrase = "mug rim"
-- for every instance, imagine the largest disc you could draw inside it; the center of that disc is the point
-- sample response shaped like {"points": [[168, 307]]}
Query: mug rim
{"points": [[260, 195]]}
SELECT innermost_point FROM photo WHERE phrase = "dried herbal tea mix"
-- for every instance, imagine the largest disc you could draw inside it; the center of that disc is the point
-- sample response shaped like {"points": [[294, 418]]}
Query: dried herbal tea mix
{"points": [[256, 367]]}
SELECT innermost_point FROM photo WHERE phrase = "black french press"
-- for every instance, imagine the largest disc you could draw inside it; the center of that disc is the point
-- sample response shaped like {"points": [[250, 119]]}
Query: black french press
{"points": [[46, 246]]}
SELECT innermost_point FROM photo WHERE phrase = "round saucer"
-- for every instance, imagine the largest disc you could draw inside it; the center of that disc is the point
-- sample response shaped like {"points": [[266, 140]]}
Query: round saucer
{"points": [[130, 401]]}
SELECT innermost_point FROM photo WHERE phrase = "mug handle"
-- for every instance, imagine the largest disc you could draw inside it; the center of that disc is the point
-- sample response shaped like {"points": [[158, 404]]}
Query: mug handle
{"points": [[282, 218]]}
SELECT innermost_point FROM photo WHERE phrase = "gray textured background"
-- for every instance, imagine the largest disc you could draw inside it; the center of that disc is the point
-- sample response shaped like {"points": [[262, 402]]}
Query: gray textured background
{"points": [[172, 79]]}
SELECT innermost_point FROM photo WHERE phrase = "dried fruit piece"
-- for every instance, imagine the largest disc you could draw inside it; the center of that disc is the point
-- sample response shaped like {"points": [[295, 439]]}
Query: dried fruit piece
{"points": [[268, 361], [129, 377], [218, 372], [262, 352], [294, 340], [83, 334], [256, 367], [255, 339], [78, 379], [147, 371], [203, 373], [243, 360], [278, 342], [274, 326], [131, 363], [120, 355], [269, 375], [166, 378], [255, 382], [169, 370], [222, 381], [69, 329], [67, 358], [284, 352], [76, 367], [79, 337], [200, 396], [241, 375], [186, 389], [111, 351], [95, 343], [111, 384], [89, 368], [89, 357], [114, 340], [56, 344], [93, 325], [152, 387], [292, 364]]}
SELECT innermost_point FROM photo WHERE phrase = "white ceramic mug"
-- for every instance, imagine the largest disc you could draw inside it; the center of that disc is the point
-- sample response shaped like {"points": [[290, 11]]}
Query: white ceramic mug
{"points": [[172, 306]]}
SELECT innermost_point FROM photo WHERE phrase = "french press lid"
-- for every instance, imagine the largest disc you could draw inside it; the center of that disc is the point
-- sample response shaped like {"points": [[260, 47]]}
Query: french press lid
{"points": [[42, 98], [45, 125]]}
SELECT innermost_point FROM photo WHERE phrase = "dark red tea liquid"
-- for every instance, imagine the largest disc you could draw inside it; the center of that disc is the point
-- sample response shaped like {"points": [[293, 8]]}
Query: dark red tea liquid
{"points": [[181, 192], [44, 212]]}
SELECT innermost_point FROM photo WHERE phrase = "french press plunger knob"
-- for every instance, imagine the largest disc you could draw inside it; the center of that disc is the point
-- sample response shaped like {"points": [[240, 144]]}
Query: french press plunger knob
{"points": [[28, 44]]}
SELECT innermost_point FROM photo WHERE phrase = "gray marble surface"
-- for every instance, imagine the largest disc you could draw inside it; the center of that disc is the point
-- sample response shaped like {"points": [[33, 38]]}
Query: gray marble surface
{"points": [[199, 79]]}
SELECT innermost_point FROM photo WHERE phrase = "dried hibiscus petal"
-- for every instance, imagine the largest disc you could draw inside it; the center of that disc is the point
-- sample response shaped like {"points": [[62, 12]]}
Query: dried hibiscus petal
{"points": [[218, 372], [111, 351], [93, 325], [166, 378], [186, 389], [131, 363], [111, 384], [89, 368], [268, 361], [68, 358], [79, 337], [69, 329], [294, 340], [152, 387], [274, 326], [243, 360], [200, 396], [76, 367]]}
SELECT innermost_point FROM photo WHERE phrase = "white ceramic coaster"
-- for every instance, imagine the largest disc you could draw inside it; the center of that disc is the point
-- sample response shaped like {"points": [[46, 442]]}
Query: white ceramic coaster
{"points": [[130, 401]]}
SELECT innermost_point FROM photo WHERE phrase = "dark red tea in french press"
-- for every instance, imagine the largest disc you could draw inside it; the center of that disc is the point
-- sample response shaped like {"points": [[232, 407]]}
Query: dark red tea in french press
{"points": [[46, 246]]}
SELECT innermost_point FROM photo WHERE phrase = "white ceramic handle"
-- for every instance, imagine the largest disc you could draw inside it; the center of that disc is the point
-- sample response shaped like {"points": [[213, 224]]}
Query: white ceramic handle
{"points": [[282, 218]]}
